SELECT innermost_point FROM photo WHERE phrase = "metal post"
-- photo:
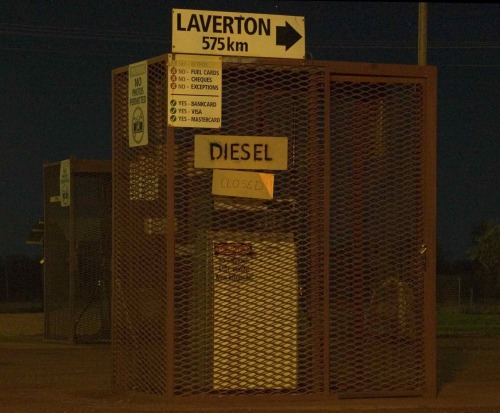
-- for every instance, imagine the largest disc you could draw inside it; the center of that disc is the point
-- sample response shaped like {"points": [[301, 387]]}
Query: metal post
{"points": [[459, 292], [72, 255], [6, 272], [422, 34]]}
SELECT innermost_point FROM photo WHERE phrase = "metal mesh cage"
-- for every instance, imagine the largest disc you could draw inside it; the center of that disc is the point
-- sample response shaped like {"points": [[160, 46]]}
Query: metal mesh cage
{"points": [[376, 230], [77, 249], [316, 292]]}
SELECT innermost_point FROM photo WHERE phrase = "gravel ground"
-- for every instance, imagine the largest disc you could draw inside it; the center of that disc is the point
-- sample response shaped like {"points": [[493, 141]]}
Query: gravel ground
{"points": [[37, 376]]}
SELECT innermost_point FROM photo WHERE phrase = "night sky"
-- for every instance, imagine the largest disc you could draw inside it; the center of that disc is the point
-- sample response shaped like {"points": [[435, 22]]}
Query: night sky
{"points": [[55, 100]]}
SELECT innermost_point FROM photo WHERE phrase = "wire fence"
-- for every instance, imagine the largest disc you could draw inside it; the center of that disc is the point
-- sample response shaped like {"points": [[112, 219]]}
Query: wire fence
{"points": [[465, 293], [463, 306]]}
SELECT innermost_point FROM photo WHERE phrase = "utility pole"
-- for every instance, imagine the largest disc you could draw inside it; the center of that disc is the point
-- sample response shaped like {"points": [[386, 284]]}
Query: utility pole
{"points": [[422, 34]]}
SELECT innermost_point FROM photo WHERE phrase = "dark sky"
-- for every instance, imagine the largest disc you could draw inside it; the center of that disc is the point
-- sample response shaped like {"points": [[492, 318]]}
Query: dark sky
{"points": [[56, 59]]}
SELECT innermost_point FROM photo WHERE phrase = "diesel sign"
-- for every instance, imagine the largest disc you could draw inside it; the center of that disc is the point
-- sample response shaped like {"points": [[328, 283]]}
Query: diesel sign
{"points": [[240, 152]]}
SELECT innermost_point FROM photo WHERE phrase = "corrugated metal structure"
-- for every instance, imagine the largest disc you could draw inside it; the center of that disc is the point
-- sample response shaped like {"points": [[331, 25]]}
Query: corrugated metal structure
{"points": [[77, 251], [327, 290]]}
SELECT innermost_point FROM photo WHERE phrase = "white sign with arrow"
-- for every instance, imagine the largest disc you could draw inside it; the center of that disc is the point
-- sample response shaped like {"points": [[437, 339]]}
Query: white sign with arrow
{"points": [[237, 34]]}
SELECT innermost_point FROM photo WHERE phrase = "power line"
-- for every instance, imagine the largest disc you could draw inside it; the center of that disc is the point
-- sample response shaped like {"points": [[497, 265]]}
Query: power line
{"points": [[79, 33], [69, 52], [137, 55], [387, 44], [118, 35]]}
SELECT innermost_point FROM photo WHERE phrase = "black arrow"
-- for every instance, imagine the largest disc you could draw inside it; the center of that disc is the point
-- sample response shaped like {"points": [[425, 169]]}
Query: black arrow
{"points": [[287, 36]]}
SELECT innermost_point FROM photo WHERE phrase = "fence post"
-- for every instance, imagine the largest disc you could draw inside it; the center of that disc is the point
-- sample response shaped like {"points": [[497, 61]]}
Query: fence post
{"points": [[459, 292]]}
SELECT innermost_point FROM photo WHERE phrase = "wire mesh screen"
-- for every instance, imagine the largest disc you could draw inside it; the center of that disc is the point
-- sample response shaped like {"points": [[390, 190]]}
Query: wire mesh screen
{"points": [[57, 260], [92, 243], [376, 231], [78, 255], [248, 271], [315, 291], [139, 242]]}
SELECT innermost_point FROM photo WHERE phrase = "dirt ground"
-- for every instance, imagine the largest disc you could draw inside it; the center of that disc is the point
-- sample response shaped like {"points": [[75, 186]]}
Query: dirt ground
{"points": [[37, 376]]}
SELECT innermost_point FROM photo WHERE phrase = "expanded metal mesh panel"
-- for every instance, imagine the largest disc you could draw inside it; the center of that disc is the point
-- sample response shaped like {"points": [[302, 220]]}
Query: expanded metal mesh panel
{"points": [[92, 272], [77, 247], [139, 242], [57, 262], [376, 231], [248, 272]]}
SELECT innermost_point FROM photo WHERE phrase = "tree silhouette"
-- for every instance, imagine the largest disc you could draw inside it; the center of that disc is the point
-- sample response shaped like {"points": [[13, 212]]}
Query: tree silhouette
{"points": [[485, 251]]}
